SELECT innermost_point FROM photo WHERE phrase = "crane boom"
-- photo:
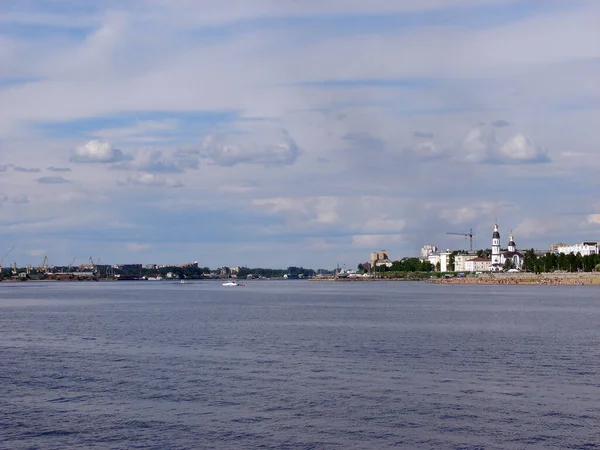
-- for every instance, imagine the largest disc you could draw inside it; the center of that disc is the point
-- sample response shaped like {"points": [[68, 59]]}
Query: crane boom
{"points": [[5, 255], [470, 235]]}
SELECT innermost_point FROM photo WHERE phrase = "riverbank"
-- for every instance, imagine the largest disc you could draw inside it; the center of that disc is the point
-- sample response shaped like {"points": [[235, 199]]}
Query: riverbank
{"points": [[548, 279]]}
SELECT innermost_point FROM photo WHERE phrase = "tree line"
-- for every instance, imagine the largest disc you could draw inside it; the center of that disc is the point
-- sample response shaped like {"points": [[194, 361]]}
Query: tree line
{"points": [[551, 262]]}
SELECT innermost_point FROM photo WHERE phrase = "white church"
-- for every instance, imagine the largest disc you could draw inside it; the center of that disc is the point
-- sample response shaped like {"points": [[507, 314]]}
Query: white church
{"points": [[499, 257], [473, 263]]}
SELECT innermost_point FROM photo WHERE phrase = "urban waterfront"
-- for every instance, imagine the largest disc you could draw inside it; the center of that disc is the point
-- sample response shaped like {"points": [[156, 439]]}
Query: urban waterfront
{"points": [[298, 364]]}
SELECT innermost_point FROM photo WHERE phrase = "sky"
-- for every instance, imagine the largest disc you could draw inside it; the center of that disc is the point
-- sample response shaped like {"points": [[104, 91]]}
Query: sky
{"points": [[270, 133]]}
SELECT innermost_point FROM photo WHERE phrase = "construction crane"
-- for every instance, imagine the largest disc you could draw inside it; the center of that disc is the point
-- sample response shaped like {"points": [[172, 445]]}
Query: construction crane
{"points": [[44, 267], [470, 235], [5, 255], [94, 264]]}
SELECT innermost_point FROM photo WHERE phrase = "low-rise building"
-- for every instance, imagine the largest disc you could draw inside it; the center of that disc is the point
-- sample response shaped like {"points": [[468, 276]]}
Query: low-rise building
{"points": [[585, 248], [478, 264], [460, 260]]}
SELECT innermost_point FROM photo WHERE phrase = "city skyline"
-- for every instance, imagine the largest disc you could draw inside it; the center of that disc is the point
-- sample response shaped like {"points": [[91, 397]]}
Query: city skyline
{"points": [[271, 134]]}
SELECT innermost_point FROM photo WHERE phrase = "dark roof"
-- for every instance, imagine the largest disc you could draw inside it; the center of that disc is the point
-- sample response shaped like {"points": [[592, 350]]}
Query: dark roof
{"points": [[512, 243], [480, 259], [496, 235], [511, 254]]}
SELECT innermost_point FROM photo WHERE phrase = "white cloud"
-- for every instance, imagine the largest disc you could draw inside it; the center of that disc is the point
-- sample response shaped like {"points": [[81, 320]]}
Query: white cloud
{"points": [[593, 219], [255, 148], [521, 148], [97, 152], [151, 180], [481, 145]]}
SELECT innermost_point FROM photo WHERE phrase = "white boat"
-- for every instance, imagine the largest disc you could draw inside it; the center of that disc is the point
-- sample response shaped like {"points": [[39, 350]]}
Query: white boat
{"points": [[182, 282], [230, 283]]}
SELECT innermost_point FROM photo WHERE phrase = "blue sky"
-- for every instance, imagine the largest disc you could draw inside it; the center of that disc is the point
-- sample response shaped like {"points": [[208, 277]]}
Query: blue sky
{"points": [[294, 133]]}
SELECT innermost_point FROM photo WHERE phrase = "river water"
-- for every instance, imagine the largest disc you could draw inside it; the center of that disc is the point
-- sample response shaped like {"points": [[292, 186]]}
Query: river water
{"points": [[298, 365]]}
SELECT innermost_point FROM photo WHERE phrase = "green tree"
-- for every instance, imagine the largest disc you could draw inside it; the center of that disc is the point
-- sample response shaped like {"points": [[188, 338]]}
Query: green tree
{"points": [[426, 266], [485, 253], [530, 263], [451, 261]]}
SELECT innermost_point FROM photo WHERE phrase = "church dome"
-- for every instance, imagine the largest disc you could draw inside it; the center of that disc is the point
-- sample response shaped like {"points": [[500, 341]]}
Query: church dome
{"points": [[496, 234]]}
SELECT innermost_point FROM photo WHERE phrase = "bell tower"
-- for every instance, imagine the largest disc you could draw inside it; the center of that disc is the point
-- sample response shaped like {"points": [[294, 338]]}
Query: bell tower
{"points": [[496, 265]]}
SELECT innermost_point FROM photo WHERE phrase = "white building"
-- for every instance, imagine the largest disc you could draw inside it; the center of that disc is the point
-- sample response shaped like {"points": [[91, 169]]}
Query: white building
{"points": [[445, 261], [434, 260], [585, 248], [478, 265], [461, 260], [427, 251]]}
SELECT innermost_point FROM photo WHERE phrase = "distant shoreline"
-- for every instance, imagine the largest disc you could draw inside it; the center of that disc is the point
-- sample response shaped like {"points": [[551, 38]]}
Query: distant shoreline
{"points": [[545, 279]]}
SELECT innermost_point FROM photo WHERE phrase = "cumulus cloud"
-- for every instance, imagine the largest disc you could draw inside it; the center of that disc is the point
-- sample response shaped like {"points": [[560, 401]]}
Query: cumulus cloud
{"points": [[97, 152], [58, 169], [500, 123], [150, 180], [481, 145], [52, 180], [271, 149], [521, 149]]}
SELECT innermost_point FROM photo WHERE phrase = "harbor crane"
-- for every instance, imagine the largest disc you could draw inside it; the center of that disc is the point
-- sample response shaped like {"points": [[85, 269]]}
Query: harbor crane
{"points": [[470, 235], [44, 267], [5, 255], [94, 264]]}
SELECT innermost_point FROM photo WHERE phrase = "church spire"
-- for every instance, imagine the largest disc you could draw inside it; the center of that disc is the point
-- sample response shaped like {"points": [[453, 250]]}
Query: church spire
{"points": [[496, 264]]}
